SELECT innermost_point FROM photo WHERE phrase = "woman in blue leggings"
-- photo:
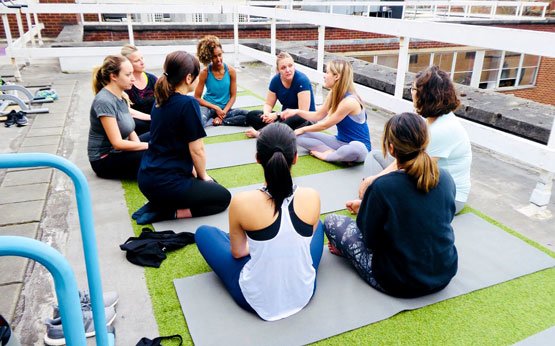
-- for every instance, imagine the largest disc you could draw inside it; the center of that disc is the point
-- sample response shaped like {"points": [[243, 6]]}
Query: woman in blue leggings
{"points": [[269, 259]]}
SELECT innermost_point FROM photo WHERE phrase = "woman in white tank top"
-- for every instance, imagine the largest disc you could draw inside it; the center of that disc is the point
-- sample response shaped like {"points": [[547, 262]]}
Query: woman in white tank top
{"points": [[269, 259]]}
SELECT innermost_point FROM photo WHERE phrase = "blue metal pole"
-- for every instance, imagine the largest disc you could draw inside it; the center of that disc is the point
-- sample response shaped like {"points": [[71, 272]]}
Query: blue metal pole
{"points": [[84, 207], [64, 281]]}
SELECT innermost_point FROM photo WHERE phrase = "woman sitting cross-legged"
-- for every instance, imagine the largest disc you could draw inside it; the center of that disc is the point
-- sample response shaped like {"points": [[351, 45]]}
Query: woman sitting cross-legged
{"points": [[220, 81], [173, 172], [269, 260], [114, 149], [402, 242], [292, 89], [342, 108]]}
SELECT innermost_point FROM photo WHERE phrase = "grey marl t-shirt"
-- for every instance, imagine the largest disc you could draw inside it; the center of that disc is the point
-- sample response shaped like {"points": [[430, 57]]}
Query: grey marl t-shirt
{"points": [[106, 104]]}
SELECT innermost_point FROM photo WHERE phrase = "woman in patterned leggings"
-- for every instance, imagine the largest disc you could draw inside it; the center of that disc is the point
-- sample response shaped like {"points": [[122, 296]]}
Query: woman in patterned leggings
{"points": [[402, 242]]}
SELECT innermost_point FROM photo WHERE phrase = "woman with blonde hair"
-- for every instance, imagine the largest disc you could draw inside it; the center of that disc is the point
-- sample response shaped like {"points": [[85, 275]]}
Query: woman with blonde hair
{"points": [[292, 89], [343, 108], [220, 81], [402, 242], [114, 149], [141, 93], [173, 174]]}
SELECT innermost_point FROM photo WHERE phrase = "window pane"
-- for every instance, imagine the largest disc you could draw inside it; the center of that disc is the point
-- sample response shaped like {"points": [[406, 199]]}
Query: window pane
{"points": [[530, 60], [465, 61], [508, 73], [368, 58], [462, 77], [388, 60], [491, 59], [489, 75], [444, 61], [527, 76], [511, 60], [418, 62], [507, 83]]}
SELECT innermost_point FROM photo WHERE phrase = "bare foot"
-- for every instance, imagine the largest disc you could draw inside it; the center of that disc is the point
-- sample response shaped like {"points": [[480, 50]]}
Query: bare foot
{"points": [[252, 133], [217, 121], [334, 250], [321, 155]]}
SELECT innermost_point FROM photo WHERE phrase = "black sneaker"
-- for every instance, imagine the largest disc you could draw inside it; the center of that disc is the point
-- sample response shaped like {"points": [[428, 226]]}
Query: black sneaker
{"points": [[10, 120], [21, 119]]}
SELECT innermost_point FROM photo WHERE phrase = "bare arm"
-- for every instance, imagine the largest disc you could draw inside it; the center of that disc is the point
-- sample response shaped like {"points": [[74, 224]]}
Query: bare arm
{"points": [[111, 128], [200, 88], [347, 106], [232, 89], [369, 180], [139, 115], [199, 159], [237, 236]]}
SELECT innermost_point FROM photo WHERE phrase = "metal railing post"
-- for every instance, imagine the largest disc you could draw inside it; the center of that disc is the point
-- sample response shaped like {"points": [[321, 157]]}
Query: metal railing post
{"points": [[402, 66], [130, 29], [236, 35], [39, 34], [320, 62]]}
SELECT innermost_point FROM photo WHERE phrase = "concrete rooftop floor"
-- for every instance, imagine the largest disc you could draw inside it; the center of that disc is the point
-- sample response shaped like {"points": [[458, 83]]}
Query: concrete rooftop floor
{"points": [[501, 188]]}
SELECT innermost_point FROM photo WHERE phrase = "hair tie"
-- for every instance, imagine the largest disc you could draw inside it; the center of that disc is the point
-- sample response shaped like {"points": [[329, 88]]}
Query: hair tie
{"points": [[165, 74], [278, 150]]}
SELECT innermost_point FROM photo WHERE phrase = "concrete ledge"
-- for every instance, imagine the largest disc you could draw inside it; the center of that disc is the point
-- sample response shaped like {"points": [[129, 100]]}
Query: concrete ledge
{"points": [[10, 296], [522, 117]]}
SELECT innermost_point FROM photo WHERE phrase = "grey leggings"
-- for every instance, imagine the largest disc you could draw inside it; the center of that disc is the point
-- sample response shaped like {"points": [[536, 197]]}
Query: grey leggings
{"points": [[343, 233], [354, 151]]}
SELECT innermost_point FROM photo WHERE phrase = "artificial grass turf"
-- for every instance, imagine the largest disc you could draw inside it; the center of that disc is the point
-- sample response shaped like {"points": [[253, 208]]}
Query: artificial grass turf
{"points": [[501, 314]]}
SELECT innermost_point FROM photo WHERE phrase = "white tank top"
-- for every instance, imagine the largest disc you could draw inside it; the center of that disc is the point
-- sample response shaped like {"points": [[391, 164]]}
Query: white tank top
{"points": [[278, 280]]}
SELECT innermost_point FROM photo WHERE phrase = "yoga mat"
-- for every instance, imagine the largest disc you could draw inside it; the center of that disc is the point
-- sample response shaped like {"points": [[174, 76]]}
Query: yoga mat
{"points": [[343, 301], [543, 338], [245, 101], [224, 130], [344, 181], [228, 154]]}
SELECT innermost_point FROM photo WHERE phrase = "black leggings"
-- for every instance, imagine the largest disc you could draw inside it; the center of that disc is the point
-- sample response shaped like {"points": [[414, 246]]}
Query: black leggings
{"points": [[201, 197], [120, 165], [254, 119]]}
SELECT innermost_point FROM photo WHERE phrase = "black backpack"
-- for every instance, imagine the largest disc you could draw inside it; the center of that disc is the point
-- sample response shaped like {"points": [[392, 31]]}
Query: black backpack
{"points": [[149, 249], [157, 341]]}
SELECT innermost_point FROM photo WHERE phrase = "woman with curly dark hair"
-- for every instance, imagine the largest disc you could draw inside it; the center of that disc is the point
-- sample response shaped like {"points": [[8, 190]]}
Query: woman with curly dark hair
{"points": [[220, 81]]}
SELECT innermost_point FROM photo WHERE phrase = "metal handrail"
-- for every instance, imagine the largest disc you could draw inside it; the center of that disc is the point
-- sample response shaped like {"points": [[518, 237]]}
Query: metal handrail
{"points": [[86, 221]]}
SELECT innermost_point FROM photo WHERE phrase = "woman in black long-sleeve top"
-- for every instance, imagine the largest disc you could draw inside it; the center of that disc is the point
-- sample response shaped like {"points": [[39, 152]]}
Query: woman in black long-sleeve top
{"points": [[402, 242]]}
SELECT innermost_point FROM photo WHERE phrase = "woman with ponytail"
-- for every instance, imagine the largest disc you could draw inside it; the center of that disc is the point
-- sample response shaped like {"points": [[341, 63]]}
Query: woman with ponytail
{"points": [[269, 259], [402, 242], [173, 173], [114, 149], [434, 97]]}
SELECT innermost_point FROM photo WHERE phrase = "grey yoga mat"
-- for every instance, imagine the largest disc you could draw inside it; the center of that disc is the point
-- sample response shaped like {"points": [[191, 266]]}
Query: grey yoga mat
{"points": [[542, 338], [335, 188], [343, 301], [228, 154], [244, 101], [224, 130]]}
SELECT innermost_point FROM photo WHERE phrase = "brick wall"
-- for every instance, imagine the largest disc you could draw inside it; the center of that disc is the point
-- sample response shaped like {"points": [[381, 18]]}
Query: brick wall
{"points": [[544, 91], [53, 23], [290, 34]]}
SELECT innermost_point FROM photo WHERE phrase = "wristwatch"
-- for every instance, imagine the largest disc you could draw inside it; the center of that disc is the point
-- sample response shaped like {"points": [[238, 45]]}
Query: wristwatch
{"points": [[278, 114]]}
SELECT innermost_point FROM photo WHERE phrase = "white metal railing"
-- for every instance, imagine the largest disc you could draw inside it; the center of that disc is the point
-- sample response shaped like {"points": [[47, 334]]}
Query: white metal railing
{"points": [[521, 41], [438, 10]]}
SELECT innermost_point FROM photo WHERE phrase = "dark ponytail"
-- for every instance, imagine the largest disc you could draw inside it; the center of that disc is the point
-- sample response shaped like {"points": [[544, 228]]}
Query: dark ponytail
{"points": [[276, 148], [177, 67], [408, 134]]}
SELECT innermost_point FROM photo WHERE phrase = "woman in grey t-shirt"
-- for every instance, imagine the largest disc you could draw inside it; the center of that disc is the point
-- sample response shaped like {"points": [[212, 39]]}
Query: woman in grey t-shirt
{"points": [[115, 151]]}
